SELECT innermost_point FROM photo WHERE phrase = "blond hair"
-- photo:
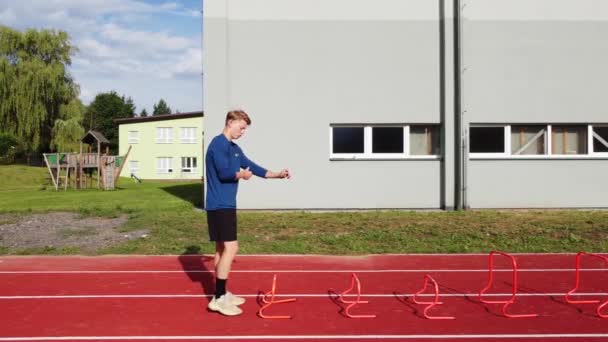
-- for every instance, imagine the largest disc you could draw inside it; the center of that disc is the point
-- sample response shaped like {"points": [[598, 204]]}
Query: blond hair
{"points": [[237, 115]]}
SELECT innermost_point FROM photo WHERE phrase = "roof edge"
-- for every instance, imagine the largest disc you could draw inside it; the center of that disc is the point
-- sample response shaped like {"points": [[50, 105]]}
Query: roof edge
{"points": [[160, 117]]}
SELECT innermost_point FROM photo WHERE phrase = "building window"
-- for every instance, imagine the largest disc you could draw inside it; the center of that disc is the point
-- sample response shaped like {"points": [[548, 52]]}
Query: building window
{"points": [[163, 165], [188, 164], [384, 142], [487, 139], [563, 141], [133, 137], [528, 139], [600, 139], [424, 140], [348, 140], [134, 167], [571, 139], [387, 140], [188, 135], [164, 135]]}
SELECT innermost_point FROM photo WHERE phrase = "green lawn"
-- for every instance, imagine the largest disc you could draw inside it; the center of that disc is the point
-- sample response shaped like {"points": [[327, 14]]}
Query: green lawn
{"points": [[167, 211]]}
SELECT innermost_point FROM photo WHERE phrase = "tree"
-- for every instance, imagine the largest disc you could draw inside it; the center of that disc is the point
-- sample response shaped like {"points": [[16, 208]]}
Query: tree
{"points": [[143, 113], [10, 148], [161, 108], [103, 110], [34, 83]]}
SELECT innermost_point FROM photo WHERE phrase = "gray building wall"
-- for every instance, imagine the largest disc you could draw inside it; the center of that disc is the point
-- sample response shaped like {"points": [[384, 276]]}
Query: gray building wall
{"points": [[298, 66], [308, 65], [538, 61]]}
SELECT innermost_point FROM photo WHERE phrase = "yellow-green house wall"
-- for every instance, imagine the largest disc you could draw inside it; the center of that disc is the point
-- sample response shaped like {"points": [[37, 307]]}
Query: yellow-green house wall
{"points": [[147, 149]]}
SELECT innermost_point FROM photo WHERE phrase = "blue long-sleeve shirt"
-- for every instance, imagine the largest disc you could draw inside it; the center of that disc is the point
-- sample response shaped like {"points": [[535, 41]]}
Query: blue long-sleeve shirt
{"points": [[223, 160]]}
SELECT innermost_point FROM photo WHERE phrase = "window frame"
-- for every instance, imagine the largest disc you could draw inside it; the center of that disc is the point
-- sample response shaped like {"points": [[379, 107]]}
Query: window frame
{"points": [[546, 141], [548, 155], [165, 171], [574, 155], [192, 169], [187, 140], [160, 139], [133, 139], [507, 142], [590, 142], [368, 144]]}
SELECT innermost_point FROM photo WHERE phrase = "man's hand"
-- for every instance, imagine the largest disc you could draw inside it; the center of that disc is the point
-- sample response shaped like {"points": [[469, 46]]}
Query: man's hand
{"points": [[284, 174], [244, 174]]}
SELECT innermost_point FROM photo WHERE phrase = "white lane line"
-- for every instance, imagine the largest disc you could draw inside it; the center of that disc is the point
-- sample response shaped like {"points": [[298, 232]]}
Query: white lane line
{"points": [[311, 271], [310, 337], [293, 255], [301, 295]]}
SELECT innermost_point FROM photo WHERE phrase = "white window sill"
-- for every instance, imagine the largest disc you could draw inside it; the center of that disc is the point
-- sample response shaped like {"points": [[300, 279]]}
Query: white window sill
{"points": [[133, 141], [384, 157], [164, 141], [542, 157], [188, 141]]}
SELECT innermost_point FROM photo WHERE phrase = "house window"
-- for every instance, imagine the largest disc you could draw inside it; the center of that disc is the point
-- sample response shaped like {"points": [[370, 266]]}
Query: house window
{"points": [[424, 140], [134, 167], [600, 139], [571, 139], [133, 137], [163, 165], [348, 140], [164, 135], [528, 139], [188, 135], [384, 142], [487, 139], [188, 164]]}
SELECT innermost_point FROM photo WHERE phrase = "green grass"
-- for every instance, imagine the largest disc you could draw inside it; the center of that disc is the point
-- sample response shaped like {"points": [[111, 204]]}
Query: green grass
{"points": [[20, 178], [167, 211]]}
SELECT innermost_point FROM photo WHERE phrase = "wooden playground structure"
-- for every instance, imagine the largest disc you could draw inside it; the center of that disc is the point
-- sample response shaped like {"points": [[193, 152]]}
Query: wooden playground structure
{"points": [[77, 170]]}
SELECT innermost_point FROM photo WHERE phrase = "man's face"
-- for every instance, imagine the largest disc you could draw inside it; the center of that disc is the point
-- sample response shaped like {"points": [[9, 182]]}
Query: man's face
{"points": [[236, 128]]}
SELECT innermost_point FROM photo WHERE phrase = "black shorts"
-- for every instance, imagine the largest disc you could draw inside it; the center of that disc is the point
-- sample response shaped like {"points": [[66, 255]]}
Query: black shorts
{"points": [[222, 225]]}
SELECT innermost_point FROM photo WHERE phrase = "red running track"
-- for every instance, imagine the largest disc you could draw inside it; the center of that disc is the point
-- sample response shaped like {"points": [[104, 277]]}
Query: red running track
{"points": [[164, 298]]}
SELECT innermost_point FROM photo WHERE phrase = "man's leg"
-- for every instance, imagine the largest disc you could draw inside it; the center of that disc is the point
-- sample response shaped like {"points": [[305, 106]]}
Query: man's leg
{"points": [[219, 249], [225, 261], [224, 256], [221, 276]]}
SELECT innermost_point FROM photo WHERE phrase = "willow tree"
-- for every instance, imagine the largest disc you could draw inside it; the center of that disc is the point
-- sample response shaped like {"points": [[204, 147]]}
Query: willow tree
{"points": [[68, 130], [34, 83]]}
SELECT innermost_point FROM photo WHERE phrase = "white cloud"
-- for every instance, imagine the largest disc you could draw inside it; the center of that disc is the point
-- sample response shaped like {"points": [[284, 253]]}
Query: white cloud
{"points": [[117, 49], [189, 63], [170, 6], [148, 41], [85, 94], [8, 17], [92, 47]]}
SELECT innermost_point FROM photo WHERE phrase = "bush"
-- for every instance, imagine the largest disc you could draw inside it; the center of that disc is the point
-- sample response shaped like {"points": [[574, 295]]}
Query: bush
{"points": [[9, 148]]}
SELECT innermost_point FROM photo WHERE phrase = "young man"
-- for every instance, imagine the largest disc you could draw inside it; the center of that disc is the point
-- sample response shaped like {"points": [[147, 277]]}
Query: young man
{"points": [[226, 164]]}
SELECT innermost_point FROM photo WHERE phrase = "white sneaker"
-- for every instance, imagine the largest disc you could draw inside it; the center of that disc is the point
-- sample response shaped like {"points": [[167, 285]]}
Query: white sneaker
{"points": [[224, 306], [235, 300]]}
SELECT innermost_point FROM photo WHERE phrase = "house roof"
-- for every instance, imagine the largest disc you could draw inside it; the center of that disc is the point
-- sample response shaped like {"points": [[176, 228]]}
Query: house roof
{"points": [[159, 117], [94, 136]]}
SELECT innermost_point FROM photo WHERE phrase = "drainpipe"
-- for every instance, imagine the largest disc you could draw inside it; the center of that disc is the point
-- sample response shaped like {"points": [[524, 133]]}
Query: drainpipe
{"points": [[459, 145]]}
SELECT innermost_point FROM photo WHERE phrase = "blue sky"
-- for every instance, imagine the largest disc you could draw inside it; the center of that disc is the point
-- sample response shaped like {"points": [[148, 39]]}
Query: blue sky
{"points": [[145, 49]]}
